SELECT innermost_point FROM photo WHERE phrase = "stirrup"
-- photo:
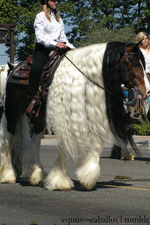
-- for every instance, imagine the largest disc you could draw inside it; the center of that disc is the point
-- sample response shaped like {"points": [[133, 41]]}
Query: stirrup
{"points": [[34, 108]]}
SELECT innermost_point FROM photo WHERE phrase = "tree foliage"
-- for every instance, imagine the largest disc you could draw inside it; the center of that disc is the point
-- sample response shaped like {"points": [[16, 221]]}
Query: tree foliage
{"points": [[90, 21], [22, 14], [108, 17]]}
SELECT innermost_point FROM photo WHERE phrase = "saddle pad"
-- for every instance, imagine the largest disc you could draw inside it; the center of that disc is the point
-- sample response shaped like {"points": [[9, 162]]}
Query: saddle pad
{"points": [[20, 74], [12, 79], [22, 70]]}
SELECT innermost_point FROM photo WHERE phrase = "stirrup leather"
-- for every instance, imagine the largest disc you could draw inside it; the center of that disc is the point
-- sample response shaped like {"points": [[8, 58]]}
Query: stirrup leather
{"points": [[34, 107]]}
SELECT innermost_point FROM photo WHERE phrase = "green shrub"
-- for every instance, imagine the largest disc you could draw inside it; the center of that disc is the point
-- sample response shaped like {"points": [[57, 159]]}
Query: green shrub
{"points": [[141, 129]]}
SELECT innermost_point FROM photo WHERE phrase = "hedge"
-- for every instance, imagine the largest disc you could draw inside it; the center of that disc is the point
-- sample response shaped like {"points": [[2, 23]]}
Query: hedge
{"points": [[141, 129]]}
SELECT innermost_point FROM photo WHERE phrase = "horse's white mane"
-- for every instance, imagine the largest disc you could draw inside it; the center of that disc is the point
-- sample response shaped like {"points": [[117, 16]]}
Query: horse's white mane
{"points": [[76, 108]]}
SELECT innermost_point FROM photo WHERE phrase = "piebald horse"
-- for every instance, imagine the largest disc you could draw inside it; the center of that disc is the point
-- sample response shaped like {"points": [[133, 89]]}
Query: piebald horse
{"points": [[84, 109]]}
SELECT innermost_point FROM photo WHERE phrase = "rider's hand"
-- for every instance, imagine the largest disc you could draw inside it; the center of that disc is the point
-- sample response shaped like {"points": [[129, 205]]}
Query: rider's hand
{"points": [[138, 97], [61, 45]]}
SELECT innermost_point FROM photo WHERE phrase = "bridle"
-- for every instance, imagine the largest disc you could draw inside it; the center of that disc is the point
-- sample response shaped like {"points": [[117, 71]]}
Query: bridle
{"points": [[126, 58], [135, 90]]}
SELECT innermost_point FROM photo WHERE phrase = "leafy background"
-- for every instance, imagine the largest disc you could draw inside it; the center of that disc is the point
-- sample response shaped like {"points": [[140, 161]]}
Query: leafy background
{"points": [[90, 21]]}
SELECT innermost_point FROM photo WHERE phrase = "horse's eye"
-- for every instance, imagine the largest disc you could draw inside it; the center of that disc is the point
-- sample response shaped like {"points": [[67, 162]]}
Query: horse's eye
{"points": [[136, 64]]}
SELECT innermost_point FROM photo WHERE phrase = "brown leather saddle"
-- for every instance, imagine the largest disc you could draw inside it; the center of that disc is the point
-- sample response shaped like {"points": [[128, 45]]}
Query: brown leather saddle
{"points": [[21, 72], [20, 75]]}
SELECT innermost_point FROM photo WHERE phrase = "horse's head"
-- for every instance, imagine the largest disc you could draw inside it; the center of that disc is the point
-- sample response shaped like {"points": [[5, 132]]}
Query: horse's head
{"points": [[133, 69]]}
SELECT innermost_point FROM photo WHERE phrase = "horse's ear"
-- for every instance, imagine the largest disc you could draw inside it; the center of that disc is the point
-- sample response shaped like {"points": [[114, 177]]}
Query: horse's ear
{"points": [[139, 44], [11, 66], [134, 47]]}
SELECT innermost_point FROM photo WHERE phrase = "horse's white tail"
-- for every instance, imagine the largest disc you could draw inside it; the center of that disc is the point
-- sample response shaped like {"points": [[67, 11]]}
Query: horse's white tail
{"points": [[3, 80], [7, 172]]}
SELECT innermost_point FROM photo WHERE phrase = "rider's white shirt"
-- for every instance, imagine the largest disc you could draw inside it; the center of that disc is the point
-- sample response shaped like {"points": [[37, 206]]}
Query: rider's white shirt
{"points": [[49, 33], [147, 59]]}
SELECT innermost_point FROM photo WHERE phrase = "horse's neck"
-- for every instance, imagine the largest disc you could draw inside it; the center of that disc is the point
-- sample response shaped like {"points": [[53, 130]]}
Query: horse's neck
{"points": [[89, 60]]}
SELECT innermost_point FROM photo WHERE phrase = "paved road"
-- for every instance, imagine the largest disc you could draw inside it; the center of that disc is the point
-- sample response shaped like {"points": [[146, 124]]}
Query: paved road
{"points": [[112, 202]]}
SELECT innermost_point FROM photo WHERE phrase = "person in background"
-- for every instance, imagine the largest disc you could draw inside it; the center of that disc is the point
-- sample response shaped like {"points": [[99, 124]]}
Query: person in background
{"points": [[145, 49], [49, 34]]}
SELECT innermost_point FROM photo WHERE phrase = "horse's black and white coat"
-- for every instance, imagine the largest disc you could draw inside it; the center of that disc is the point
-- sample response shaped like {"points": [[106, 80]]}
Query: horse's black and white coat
{"points": [[84, 110], [83, 115]]}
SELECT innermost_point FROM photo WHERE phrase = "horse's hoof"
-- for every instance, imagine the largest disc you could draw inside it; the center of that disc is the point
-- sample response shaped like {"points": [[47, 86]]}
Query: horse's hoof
{"points": [[128, 157], [53, 183], [37, 177], [84, 188], [63, 189], [8, 181], [59, 187], [8, 178]]}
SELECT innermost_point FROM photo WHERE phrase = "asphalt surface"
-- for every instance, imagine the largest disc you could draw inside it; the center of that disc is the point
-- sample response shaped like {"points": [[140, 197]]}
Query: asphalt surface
{"points": [[121, 196]]}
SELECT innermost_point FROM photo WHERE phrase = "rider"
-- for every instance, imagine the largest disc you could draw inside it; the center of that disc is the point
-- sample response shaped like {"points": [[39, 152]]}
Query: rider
{"points": [[49, 34], [145, 49]]}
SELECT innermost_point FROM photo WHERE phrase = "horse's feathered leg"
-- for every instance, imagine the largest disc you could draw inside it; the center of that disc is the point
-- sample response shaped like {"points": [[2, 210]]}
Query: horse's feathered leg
{"points": [[121, 153], [7, 171], [89, 170], [57, 179], [32, 166], [126, 154], [115, 152], [21, 142]]}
